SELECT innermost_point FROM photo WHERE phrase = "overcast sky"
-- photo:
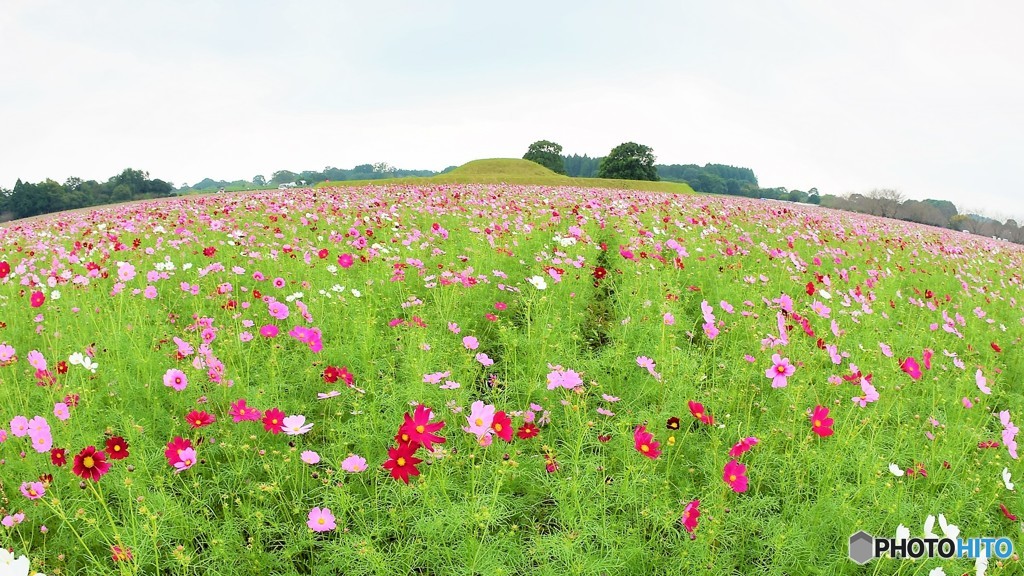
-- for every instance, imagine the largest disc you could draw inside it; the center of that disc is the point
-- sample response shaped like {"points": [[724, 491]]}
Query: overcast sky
{"points": [[923, 97]]}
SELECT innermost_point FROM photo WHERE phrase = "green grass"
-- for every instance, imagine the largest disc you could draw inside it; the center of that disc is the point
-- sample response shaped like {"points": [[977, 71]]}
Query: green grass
{"points": [[516, 171]]}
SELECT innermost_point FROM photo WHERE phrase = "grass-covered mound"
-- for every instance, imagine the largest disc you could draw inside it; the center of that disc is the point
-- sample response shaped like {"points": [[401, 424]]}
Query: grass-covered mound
{"points": [[516, 171]]}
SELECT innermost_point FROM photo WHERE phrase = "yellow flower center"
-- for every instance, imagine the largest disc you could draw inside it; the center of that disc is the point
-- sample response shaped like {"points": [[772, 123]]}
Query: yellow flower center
{"points": [[420, 429], [497, 427], [274, 421], [732, 477], [400, 461], [32, 492], [479, 421], [817, 423], [88, 462], [199, 422], [117, 447], [645, 448], [321, 521], [780, 368]]}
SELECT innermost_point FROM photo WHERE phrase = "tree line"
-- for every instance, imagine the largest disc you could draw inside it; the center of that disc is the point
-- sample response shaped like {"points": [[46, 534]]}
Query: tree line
{"points": [[636, 162], [27, 199]]}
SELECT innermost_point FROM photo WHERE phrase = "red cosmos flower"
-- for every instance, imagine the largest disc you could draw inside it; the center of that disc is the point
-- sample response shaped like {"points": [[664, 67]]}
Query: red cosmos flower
{"points": [[331, 374], [117, 448], [257, 294], [988, 444], [672, 423], [600, 272], [810, 288], [401, 462], [37, 299], [697, 409], [91, 464], [502, 426], [71, 400], [604, 438], [62, 367], [1006, 512], [5, 269], [996, 347], [199, 418], [58, 457], [209, 251], [690, 515], [527, 431], [645, 443], [273, 420], [821, 424], [419, 429], [323, 253], [174, 449], [118, 554]]}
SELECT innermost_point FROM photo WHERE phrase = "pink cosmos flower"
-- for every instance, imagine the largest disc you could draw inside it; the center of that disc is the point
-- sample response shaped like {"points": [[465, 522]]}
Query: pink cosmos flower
{"points": [[33, 490], [484, 359], [779, 372], [278, 310], [926, 357], [60, 410], [669, 319], [36, 360], [345, 260], [296, 425], [321, 520], [982, 383], [19, 426], [560, 377], [743, 446], [269, 331], [353, 464], [310, 457], [470, 342], [186, 460], [176, 379], [480, 418], [149, 292]]}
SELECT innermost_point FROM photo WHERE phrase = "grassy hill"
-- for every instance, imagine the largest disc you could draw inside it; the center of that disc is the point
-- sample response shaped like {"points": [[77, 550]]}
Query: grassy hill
{"points": [[517, 171]]}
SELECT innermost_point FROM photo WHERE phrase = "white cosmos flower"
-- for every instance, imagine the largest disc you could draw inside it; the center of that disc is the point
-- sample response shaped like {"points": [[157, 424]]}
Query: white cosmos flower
{"points": [[1006, 479], [981, 564], [538, 282], [296, 425], [356, 293], [937, 572], [825, 294], [929, 524], [896, 470], [55, 295], [950, 530], [76, 359], [89, 365], [8, 565], [902, 533]]}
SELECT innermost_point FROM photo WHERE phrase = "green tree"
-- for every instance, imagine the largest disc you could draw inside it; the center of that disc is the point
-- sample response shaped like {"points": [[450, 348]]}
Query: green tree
{"points": [[547, 154], [259, 180], [629, 161]]}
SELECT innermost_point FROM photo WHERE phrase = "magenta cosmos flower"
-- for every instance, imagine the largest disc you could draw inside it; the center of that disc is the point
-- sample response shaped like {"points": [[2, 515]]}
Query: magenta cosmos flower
{"points": [[735, 475], [779, 372]]}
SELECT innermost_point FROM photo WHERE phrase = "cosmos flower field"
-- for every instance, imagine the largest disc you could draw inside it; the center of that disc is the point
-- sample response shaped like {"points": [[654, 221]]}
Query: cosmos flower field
{"points": [[501, 380]]}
